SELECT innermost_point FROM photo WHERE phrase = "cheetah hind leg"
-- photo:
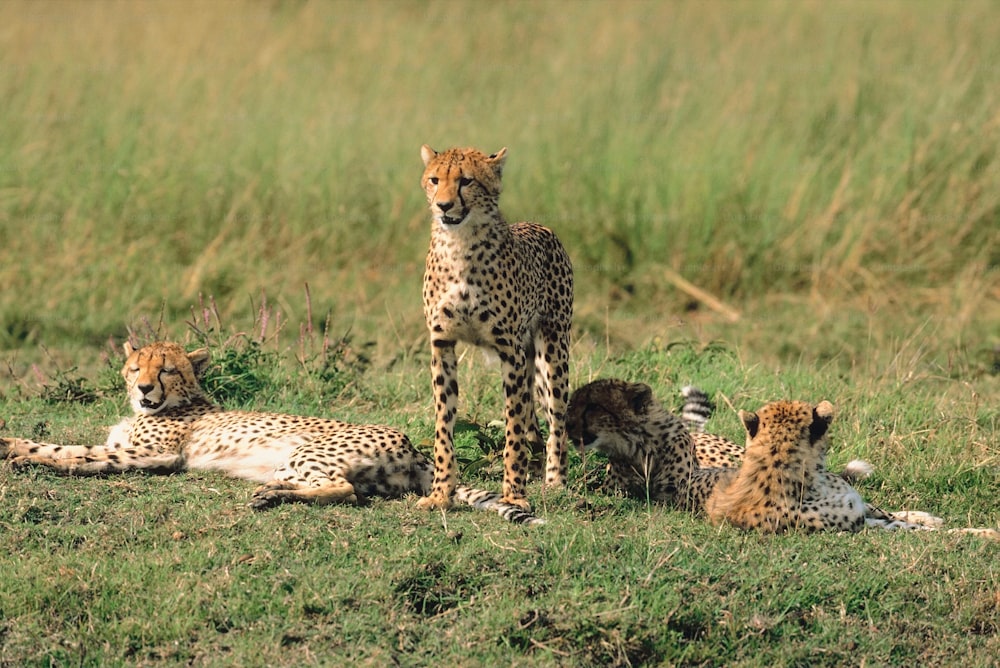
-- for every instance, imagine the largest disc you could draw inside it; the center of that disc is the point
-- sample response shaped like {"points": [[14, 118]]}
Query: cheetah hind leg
{"points": [[552, 389], [336, 490], [907, 520]]}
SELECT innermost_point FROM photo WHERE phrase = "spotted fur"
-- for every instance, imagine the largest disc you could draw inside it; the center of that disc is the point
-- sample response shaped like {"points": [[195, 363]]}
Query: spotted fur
{"points": [[507, 288], [297, 458], [651, 454], [782, 482], [711, 451]]}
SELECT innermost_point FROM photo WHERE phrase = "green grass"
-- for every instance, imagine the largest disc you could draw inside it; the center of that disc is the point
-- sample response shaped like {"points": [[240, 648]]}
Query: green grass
{"points": [[184, 170], [168, 570]]}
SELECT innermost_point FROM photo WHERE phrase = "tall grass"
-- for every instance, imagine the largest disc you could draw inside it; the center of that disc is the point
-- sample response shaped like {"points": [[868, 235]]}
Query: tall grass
{"points": [[834, 166], [828, 172]]}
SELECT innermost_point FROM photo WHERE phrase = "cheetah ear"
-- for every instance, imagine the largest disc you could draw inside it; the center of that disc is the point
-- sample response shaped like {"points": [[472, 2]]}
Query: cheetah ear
{"points": [[128, 349], [822, 417], [199, 360], [427, 153], [751, 422], [497, 160], [640, 396]]}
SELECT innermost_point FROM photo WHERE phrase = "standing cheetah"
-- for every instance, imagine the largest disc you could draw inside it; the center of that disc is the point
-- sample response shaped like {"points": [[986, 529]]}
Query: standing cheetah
{"points": [[508, 288], [298, 458]]}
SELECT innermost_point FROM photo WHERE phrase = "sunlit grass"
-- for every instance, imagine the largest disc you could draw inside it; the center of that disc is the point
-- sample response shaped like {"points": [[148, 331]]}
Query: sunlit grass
{"points": [[828, 172], [835, 161]]}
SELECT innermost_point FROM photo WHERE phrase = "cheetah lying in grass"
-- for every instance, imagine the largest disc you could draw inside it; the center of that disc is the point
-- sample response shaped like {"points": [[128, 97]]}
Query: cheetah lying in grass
{"points": [[307, 459], [782, 482]]}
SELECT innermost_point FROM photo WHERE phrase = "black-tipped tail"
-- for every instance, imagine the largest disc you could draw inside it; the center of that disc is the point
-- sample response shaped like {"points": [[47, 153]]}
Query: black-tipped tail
{"points": [[697, 409], [483, 500]]}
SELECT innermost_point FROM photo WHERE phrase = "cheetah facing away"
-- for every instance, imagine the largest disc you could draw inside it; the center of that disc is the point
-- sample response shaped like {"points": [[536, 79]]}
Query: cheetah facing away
{"points": [[652, 455], [308, 459], [783, 482], [507, 288]]}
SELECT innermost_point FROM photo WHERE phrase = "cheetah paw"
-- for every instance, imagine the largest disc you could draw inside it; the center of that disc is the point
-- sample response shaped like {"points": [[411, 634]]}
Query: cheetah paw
{"points": [[434, 500], [28, 461], [518, 501], [263, 501]]}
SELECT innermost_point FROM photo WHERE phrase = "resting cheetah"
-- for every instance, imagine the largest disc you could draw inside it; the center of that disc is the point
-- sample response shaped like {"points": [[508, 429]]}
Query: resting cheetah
{"points": [[652, 456], [651, 453], [505, 287], [308, 459], [783, 482]]}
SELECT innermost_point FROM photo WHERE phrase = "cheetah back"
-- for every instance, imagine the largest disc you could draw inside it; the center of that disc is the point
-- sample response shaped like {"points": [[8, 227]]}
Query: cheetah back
{"points": [[783, 482]]}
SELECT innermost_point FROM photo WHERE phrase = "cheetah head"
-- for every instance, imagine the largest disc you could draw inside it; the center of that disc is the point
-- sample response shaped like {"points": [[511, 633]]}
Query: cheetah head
{"points": [[162, 376], [785, 426], [459, 181], [610, 415]]}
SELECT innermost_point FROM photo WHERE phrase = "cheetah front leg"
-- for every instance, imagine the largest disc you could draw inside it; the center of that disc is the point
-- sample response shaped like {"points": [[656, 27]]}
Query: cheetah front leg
{"points": [[337, 490], [519, 408], [444, 375], [87, 459], [21, 447]]}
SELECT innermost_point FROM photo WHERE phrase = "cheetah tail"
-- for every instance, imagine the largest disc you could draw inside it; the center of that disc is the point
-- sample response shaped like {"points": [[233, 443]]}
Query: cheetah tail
{"points": [[697, 409], [483, 500], [857, 469]]}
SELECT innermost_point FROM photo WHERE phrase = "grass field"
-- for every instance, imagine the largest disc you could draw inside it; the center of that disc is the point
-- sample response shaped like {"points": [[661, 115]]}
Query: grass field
{"points": [[769, 199]]}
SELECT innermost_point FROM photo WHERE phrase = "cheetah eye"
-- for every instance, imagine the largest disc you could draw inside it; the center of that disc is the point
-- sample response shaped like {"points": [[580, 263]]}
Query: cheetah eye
{"points": [[433, 180], [170, 370], [133, 369], [464, 181]]}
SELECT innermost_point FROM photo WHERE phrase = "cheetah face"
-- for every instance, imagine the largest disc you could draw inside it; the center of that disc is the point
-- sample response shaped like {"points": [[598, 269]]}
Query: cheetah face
{"points": [[459, 181], [608, 415], [161, 376]]}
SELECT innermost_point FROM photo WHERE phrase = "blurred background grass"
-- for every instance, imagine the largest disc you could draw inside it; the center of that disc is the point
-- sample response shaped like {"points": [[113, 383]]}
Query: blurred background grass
{"points": [[827, 171]]}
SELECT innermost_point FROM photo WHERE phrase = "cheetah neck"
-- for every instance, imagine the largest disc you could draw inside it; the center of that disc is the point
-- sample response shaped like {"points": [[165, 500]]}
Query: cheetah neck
{"points": [[192, 410]]}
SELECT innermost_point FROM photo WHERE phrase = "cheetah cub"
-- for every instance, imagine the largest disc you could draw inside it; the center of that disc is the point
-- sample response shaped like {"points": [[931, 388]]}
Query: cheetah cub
{"points": [[783, 482], [778, 482], [652, 454], [508, 288], [308, 459]]}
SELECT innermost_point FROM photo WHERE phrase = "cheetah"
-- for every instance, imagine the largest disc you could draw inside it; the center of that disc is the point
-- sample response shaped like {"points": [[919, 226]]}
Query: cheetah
{"points": [[653, 456], [783, 482], [176, 427], [651, 453], [507, 288]]}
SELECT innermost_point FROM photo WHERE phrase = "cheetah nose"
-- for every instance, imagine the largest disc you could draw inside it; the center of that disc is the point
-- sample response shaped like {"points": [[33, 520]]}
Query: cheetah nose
{"points": [[445, 206], [145, 389]]}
